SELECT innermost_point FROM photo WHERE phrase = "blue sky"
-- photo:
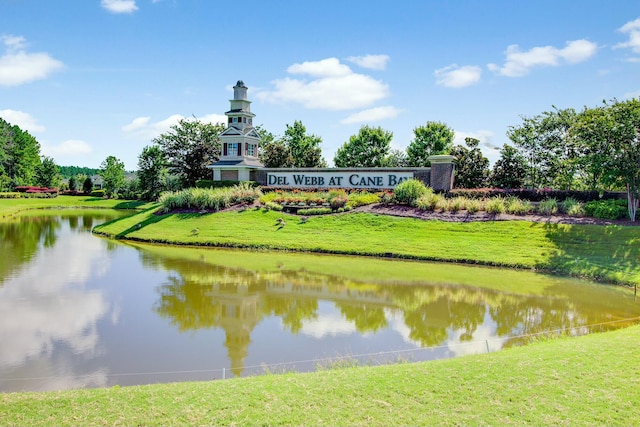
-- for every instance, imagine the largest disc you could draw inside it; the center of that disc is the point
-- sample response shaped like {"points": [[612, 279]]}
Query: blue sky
{"points": [[93, 78]]}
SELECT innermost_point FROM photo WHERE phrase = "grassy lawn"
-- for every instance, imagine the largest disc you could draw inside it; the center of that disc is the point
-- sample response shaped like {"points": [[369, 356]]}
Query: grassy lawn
{"points": [[607, 253], [591, 380]]}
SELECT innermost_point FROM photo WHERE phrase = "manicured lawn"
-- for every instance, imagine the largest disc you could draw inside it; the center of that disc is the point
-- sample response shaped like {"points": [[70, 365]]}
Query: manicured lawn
{"points": [[608, 253], [591, 380]]}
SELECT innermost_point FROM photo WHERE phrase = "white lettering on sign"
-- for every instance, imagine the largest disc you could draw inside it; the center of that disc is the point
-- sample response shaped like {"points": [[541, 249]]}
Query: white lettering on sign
{"points": [[327, 179]]}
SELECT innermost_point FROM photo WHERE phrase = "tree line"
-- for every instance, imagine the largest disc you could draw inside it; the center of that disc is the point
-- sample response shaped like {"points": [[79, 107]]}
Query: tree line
{"points": [[597, 148]]}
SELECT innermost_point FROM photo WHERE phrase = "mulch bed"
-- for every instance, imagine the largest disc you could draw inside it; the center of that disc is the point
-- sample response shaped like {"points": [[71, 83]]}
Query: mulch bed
{"points": [[461, 216]]}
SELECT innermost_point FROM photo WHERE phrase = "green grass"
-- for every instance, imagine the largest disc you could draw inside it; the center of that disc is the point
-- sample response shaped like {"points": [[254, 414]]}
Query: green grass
{"points": [[591, 380], [11, 207], [606, 253]]}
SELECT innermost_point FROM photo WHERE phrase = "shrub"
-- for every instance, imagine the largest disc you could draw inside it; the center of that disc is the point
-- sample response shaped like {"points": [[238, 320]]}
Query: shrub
{"points": [[273, 206], [97, 193], [607, 209], [387, 197], [548, 207], [496, 205], [11, 195], [315, 211], [362, 199], [209, 183], [338, 202], [410, 191]]}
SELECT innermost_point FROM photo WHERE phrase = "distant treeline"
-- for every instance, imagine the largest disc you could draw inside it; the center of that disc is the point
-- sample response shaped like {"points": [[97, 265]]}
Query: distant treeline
{"points": [[73, 171]]}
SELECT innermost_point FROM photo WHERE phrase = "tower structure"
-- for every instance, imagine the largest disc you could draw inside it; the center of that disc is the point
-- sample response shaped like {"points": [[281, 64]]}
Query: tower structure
{"points": [[240, 141]]}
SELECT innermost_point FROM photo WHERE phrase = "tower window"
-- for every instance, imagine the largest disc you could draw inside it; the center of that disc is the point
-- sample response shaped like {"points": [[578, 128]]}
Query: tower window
{"points": [[232, 149]]}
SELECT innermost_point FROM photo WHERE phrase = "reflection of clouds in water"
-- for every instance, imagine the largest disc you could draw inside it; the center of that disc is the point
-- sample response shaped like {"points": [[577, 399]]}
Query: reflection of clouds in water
{"points": [[331, 324], [48, 374], [395, 318], [478, 339], [44, 304]]}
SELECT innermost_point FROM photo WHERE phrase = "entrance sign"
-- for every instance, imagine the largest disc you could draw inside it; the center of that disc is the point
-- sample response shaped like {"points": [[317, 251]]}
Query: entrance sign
{"points": [[337, 179]]}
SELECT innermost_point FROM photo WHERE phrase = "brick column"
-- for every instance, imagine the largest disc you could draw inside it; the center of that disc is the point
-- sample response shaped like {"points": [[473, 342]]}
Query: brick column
{"points": [[442, 172]]}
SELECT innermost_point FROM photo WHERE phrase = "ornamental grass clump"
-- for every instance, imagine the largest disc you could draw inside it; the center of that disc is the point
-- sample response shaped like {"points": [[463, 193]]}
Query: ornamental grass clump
{"points": [[516, 206], [548, 207], [456, 204], [572, 207], [430, 202], [496, 205], [208, 199], [474, 205], [409, 191]]}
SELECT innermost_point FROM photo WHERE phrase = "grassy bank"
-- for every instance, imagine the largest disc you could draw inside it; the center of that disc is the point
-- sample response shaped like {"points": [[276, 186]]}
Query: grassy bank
{"points": [[591, 380], [607, 253], [10, 207]]}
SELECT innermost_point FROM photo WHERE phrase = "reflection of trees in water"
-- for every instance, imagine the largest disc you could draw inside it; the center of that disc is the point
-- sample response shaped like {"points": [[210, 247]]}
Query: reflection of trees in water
{"points": [[366, 317], [22, 239], [204, 295]]}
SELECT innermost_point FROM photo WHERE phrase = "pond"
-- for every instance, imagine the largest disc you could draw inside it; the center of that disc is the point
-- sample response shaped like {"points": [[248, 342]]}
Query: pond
{"points": [[83, 311]]}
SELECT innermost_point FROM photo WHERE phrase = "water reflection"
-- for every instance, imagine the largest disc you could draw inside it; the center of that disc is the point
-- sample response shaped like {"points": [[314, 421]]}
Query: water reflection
{"points": [[44, 301], [203, 294], [82, 311]]}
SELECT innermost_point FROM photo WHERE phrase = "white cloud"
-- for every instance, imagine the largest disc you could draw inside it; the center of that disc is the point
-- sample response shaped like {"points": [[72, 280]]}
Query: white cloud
{"points": [[632, 28], [18, 67], [119, 6], [21, 119], [374, 62], [518, 63], [68, 148], [455, 76], [372, 115], [484, 136], [333, 86], [142, 127], [330, 67]]}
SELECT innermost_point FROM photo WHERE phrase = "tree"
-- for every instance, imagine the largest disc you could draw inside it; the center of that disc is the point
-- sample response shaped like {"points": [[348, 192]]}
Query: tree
{"points": [[273, 152], [551, 153], [304, 149], [189, 147], [152, 172], [295, 149], [369, 148], [19, 154], [47, 173], [73, 184], [112, 173], [431, 139], [611, 134], [87, 185], [395, 159], [510, 169], [472, 168]]}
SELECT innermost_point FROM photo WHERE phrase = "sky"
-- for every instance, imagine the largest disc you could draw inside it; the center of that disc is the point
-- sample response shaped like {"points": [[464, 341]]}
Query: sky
{"points": [[94, 78]]}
